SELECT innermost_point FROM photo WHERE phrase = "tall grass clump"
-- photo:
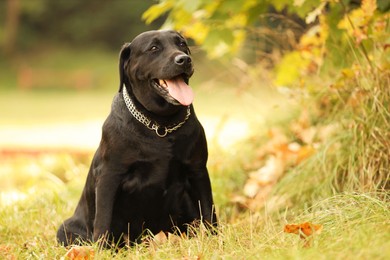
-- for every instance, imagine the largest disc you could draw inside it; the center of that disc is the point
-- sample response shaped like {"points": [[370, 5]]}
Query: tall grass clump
{"points": [[357, 157], [355, 100], [365, 165]]}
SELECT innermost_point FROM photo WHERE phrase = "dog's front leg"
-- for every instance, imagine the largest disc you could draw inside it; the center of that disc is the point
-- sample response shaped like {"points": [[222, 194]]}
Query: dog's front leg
{"points": [[202, 195], [106, 188]]}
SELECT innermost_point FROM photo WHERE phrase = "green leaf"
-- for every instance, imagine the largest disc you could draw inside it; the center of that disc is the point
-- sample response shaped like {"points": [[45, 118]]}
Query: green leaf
{"points": [[289, 69], [190, 6], [155, 11]]}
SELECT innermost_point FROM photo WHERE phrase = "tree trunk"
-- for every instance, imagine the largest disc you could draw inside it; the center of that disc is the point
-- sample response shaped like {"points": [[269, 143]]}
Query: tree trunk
{"points": [[11, 26]]}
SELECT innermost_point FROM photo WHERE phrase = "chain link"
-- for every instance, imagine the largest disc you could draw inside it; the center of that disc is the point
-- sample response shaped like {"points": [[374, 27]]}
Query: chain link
{"points": [[147, 122]]}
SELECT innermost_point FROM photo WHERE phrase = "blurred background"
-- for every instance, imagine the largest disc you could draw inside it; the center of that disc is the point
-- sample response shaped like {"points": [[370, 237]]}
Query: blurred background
{"points": [[59, 72], [58, 69], [294, 97]]}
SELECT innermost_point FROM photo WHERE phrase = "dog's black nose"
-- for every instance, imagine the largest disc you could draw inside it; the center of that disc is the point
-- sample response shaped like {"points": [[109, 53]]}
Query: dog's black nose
{"points": [[182, 60]]}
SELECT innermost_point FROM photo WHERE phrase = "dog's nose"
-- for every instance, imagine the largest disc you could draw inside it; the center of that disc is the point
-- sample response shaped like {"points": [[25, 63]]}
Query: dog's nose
{"points": [[182, 60]]}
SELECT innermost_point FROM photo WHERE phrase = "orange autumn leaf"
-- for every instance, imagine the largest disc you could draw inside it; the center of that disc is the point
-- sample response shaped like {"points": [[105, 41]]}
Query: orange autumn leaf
{"points": [[304, 153], [304, 230], [80, 253], [369, 7]]}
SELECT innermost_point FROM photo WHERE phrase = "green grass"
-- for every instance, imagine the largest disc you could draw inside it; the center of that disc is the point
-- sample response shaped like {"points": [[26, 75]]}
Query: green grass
{"points": [[355, 227]]}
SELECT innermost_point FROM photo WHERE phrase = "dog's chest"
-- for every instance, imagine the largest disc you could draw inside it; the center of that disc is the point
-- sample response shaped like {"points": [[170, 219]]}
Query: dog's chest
{"points": [[157, 167]]}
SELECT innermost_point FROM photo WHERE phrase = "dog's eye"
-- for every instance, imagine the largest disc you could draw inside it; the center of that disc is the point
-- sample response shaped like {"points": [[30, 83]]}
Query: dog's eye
{"points": [[153, 48], [182, 44]]}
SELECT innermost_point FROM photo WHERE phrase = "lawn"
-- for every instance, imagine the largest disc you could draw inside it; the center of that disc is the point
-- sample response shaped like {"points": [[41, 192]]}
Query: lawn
{"points": [[48, 137]]}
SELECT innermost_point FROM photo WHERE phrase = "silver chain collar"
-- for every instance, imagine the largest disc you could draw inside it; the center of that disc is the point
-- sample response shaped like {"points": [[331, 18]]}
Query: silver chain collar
{"points": [[147, 122]]}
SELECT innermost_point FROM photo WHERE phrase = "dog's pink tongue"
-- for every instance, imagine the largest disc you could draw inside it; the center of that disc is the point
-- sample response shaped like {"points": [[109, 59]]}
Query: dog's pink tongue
{"points": [[180, 91]]}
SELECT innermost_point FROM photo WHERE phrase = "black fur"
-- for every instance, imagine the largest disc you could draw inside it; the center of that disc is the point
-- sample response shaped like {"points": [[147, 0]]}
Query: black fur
{"points": [[138, 180]]}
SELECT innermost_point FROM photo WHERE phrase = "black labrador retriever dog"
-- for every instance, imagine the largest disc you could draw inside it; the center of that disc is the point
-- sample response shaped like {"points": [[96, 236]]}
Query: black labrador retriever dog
{"points": [[149, 171]]}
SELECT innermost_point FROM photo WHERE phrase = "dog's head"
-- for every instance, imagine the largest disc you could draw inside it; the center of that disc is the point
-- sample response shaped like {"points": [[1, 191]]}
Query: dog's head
{"points": [[155, 67]]}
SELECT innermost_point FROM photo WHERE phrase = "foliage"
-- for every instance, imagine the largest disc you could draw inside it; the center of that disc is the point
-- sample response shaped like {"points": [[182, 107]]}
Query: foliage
{"points": [[332, 27], [220, 27], [81, 23]]}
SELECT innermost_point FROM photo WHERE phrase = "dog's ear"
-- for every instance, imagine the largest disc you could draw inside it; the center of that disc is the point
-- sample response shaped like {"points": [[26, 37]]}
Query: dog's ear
{"points": [[124, 57]]}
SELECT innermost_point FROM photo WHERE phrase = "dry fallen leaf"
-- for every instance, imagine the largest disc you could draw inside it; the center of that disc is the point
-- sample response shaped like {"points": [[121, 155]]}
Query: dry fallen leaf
{"points": [[80, 253], [304, 153], [261, 197], [305, 231], [6, 252], [160, 238], [276, 156], [174, 239], [270, 172], [163, 238], [251, 188]]}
